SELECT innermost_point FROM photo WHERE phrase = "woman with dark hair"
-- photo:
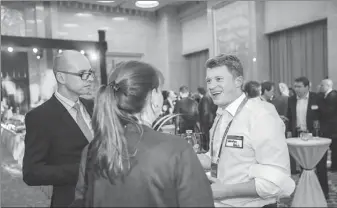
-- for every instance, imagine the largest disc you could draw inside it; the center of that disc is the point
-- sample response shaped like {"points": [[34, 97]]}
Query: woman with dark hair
{"points": [[128, 164]]}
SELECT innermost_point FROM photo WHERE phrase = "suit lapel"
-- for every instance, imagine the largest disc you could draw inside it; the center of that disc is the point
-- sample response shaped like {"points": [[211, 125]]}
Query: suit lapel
{"points": [[66, 118], [87, 106]]}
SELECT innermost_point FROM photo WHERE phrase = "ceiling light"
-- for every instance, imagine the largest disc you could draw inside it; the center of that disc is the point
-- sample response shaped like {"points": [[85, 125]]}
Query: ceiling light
{"points": [[62, 33], [35, 50], [254, 59], [104, 28], [33, 21], [82, 52], [119, 18], [60, 51], [10, 49], [147, 4], [70, 25], [106, 2], [83, 14], [93, 56], [38, 57]]}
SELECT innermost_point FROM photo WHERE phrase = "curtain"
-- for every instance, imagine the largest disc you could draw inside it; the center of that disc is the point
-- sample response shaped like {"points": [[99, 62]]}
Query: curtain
{"points": [[300, 51], [196, 69]]}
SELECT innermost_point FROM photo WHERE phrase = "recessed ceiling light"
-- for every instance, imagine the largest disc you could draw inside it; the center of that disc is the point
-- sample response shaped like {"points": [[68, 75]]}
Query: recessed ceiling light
{"points": [[119, 18], [147, 4], [104, 28], [83, 14], [62, 33], [10, 49], [106, 2], [70, 25], [33, 21]]}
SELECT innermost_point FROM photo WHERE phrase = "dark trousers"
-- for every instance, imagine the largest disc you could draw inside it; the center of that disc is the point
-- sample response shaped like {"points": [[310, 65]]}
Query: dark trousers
{"points": [[322, 174], [333, 148], [292, 165]]}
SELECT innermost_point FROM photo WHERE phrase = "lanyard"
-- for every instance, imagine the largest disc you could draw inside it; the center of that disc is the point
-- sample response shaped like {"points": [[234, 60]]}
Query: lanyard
{"points": [[227, 129]]}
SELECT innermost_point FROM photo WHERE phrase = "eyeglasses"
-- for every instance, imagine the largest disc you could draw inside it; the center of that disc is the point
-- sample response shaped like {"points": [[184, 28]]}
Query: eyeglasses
{"points": [[84, 75]]}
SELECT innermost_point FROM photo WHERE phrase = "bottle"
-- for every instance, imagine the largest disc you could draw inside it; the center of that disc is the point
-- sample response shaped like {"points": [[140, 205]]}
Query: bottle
{"points": [[316, 126], [188, 137]]}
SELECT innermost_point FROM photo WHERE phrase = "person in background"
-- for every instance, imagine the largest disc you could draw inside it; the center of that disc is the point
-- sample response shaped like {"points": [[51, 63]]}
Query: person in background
{"points": [[281, 101], [267, 91], [252, 89], [188, 107], [291, 92], [207, 112], [248, 157], [128, 164], [303, 111], [59, 129], [328, 121], [201, 93], [169, 102]]}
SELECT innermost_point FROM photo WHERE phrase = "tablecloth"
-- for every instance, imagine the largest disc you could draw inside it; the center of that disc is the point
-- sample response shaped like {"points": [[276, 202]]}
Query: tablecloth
{"points": [[308, 153]]}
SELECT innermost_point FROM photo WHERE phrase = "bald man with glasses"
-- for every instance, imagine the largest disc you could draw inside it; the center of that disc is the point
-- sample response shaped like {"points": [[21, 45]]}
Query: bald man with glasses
{"points": [[58, 130]]}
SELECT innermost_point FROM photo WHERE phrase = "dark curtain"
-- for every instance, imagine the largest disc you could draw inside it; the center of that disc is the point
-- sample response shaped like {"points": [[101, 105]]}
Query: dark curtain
{"points": [[196, 69], [300, 51]]}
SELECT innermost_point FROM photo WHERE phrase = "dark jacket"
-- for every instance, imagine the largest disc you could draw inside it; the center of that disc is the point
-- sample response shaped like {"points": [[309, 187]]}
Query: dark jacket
{"points": [[165, 172], [312, 113], [207, 113], [53, 146], [328, 109], [281, 104], [189, 108]]}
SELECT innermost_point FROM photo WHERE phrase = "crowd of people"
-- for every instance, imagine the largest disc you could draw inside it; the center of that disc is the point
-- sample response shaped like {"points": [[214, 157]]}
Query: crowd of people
{"points": [[105, 153]]}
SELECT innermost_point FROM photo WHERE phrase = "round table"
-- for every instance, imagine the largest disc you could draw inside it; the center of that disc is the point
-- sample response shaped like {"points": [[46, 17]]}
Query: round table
{"points": [[308, 153]]}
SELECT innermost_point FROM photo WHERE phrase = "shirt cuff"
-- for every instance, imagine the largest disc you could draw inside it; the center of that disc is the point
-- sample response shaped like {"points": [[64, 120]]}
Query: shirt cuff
{"points": [[274, 175]]}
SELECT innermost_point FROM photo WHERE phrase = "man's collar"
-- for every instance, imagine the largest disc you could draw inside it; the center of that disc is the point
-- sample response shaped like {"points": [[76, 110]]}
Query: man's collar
{"points": [[304, 98], [233, 107], [327, 92], [65, 100]]}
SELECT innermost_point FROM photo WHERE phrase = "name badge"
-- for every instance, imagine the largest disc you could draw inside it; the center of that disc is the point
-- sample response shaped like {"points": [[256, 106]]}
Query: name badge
{"points": [[234, 141], [214, 170]]}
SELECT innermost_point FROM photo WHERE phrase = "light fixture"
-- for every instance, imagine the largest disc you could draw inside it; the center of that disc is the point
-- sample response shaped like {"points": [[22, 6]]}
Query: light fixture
{"points": [[83, 14], [93, 56], [82, 52], [119, 18], [147, 4], [60, 51], [254, 59], [35, 50], [70, 25], [10, 49], [33, 21], [38, 57], [104, 28], [106, 2], [62, 33]]}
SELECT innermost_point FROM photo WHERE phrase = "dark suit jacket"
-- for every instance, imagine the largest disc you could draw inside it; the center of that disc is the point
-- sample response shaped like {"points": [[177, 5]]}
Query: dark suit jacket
{"points": [[312, 114], [189, 108], [207, 113], [53, 146], [165, 172], [328, 110], [281, 104]]}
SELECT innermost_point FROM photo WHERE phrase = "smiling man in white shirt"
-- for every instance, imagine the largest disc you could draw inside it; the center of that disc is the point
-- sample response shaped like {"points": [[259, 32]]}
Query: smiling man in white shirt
{"points": [[248, 156]]}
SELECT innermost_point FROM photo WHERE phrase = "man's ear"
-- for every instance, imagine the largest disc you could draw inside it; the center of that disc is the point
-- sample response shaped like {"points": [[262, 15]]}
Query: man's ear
{"points": [[60, 78], [239, 82]]}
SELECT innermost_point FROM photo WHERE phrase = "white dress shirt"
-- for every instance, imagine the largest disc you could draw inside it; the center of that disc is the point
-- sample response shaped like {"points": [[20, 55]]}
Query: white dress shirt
{"points": [[264, 156], [69, 105], [301, 112]]}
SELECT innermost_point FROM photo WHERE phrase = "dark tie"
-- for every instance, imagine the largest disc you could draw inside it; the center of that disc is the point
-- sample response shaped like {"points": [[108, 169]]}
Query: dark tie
{"points": [[82, 124]]}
